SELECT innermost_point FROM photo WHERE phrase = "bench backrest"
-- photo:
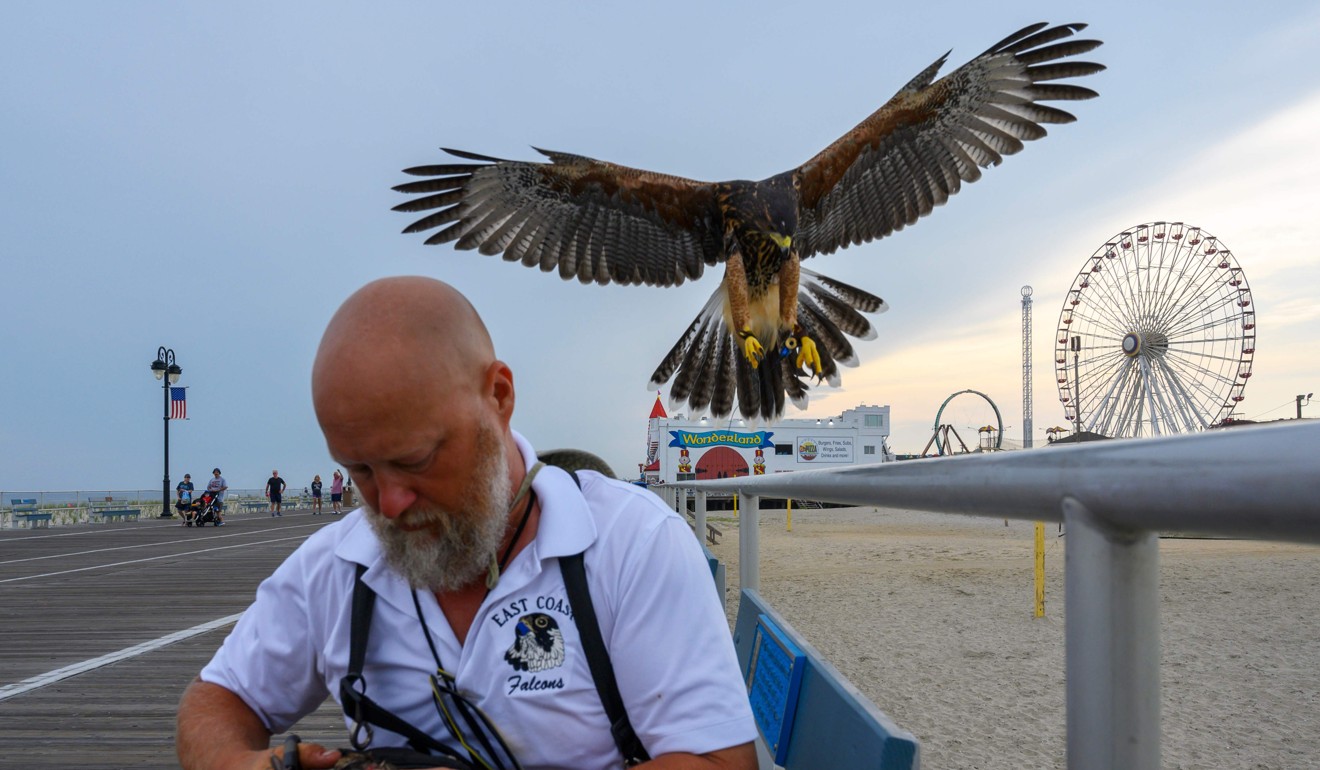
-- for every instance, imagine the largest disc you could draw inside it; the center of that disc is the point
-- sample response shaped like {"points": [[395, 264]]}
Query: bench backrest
{"points": [[833, 724], [23, 506]]}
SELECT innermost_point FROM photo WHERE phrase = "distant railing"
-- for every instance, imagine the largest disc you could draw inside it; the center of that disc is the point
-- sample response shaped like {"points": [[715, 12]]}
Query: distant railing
{"points": [[75, 506], [1260, 482]]}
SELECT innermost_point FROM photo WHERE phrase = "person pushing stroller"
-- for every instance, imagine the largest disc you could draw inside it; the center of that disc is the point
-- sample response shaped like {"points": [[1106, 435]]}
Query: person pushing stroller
{"points": [[218, 485], [205, 509]]}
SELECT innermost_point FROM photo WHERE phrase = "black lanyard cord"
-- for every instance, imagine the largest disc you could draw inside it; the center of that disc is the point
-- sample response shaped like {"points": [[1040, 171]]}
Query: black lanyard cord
{"points": [[478, 723]]}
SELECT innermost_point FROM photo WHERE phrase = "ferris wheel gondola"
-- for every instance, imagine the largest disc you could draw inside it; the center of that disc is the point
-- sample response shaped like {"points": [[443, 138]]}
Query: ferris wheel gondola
{"points": [[1157, 334]]}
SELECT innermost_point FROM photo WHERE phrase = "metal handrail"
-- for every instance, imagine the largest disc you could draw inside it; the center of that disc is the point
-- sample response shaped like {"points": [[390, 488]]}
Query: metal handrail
{"points": [[1258, 482]]}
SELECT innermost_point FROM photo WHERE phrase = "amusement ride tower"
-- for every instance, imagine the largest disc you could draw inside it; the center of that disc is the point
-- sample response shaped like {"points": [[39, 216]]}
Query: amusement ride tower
{"points": [[1026, 367]]}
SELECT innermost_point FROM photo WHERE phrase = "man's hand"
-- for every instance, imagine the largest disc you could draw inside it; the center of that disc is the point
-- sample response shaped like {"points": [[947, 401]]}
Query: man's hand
{"points": [[311, 756], [217, 731], [733, 758]]}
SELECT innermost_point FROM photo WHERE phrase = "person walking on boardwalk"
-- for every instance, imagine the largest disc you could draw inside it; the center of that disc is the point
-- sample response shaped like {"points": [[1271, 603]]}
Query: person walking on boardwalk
{"points": [[472, 547], [219, 486], [275, 491], [337, 493], [316, 495]]}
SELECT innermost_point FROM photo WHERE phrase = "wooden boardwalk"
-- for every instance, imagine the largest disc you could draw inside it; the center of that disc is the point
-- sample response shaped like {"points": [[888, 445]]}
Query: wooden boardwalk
{"points": [[70, 595]]}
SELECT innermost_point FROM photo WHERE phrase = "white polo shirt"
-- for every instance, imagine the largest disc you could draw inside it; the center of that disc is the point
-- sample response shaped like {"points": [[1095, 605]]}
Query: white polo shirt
{"points": [[661, 619]]}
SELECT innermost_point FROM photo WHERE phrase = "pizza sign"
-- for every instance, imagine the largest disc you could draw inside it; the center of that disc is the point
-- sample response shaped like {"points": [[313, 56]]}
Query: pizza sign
{"points": [[824, 450]]}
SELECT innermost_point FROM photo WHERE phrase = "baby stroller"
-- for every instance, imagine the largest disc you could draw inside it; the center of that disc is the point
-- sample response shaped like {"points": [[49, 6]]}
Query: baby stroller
{"points": [[204, 510]]}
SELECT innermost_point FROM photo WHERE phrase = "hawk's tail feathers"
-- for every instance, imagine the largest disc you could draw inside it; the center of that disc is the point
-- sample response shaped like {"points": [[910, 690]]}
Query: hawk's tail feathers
{"points": [[858, 299], [705, 390], [694, 363], [724, 383], [711, 374], [676, 355], [761, 391]]}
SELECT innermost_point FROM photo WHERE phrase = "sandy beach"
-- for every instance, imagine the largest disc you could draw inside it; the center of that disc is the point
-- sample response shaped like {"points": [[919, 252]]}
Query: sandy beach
{"points": [[931, 617]]}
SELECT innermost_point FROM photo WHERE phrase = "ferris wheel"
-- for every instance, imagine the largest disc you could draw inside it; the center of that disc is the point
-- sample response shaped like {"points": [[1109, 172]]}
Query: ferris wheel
{"points": [[1156, 335]]}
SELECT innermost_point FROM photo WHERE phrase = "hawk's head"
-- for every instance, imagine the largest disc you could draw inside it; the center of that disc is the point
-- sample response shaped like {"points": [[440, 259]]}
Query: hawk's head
{"points": [[766, 209]]}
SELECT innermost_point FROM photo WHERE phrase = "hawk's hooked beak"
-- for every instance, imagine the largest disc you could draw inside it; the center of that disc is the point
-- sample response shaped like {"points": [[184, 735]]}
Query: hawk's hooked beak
{"points": [[782, 241]]}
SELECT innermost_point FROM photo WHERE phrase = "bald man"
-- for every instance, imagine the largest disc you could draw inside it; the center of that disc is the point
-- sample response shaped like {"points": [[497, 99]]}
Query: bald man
{"points": [[460, 538]]}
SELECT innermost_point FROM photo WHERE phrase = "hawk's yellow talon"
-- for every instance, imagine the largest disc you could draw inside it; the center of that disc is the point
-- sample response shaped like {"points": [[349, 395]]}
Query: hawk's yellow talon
{"points": [[808, 354], [752, 348]]}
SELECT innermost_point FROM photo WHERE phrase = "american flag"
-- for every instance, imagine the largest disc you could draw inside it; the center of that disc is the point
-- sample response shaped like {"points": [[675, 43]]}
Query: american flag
{"points": [[178, 403]]}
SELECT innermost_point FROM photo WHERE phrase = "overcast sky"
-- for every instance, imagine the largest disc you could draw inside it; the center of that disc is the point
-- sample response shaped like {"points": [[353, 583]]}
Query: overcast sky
{"points": [[215, 177]]}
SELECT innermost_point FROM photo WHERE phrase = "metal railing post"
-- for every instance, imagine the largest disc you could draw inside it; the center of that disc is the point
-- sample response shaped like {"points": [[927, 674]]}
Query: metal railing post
{"points": [[749, 543], [1112, 629], [701, 516]]}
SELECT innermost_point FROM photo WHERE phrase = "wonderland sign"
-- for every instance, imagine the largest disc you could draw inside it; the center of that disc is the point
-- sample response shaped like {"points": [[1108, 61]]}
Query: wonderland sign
{"points": [[685, 438]]}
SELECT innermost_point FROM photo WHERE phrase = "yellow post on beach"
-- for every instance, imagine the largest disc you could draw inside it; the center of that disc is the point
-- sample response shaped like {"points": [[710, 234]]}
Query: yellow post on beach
{"points": [[790, 514], [1040, 569], [735, 505]]}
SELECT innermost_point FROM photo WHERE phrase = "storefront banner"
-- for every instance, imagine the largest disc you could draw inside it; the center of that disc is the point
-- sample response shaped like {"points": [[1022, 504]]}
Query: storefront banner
{"points": [[710, 438], [824, 450]]}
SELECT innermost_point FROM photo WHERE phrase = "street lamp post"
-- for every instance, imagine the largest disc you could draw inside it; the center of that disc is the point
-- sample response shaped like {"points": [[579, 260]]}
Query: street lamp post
{"points": [[1301, 403], [168, 373]]}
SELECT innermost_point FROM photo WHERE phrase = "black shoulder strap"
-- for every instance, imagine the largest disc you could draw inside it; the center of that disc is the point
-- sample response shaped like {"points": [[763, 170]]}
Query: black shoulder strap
{"points": [[363, 711], [598, 657]]}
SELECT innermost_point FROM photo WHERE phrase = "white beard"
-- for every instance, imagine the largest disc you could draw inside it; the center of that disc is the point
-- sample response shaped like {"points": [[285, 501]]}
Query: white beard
{"points": [[456, 547]]}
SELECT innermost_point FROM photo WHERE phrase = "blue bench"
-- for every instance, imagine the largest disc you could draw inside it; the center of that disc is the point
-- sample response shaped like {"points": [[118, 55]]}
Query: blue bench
{"points": [[716, 572], [26, 511], [251, 506], [105, 514], [826, 721]]}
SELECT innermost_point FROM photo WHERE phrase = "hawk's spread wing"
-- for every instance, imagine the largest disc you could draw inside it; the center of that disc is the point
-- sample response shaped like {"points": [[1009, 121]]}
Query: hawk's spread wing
{"points": [[598, 221], [914, 152]]}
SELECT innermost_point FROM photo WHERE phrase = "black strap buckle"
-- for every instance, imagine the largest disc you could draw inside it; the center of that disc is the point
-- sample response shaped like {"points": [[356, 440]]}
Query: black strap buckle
{"points": [[353, 689]]}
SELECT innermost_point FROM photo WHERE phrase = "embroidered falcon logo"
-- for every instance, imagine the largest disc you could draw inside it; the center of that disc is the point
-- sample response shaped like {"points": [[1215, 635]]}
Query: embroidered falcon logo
{"points": [[538, 644]]}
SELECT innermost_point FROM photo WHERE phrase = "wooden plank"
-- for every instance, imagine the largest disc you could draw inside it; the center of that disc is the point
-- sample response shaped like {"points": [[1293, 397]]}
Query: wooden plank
{"points": [[70, 594]]}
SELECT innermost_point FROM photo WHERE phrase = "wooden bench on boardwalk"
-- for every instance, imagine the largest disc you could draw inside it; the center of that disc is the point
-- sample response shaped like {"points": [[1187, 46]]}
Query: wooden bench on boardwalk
{"points": [[26, 511], [253, 506], [809, 715], [712, 534], [106, 514]]}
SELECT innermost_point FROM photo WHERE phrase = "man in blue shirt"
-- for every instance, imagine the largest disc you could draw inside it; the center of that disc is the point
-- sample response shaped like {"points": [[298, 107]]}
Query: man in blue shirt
{"points": [[184, 490]]}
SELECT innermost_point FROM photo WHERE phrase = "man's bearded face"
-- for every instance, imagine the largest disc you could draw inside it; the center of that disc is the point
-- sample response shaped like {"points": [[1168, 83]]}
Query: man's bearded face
{"points": [[443, 550]]}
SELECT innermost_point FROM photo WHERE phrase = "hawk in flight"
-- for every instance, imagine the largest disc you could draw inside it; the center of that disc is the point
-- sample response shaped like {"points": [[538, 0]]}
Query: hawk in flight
{"points": [[772, 325]]}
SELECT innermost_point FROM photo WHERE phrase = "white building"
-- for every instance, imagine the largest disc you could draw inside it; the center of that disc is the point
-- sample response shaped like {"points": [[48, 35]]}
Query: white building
{"points": [[681, 449]]}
